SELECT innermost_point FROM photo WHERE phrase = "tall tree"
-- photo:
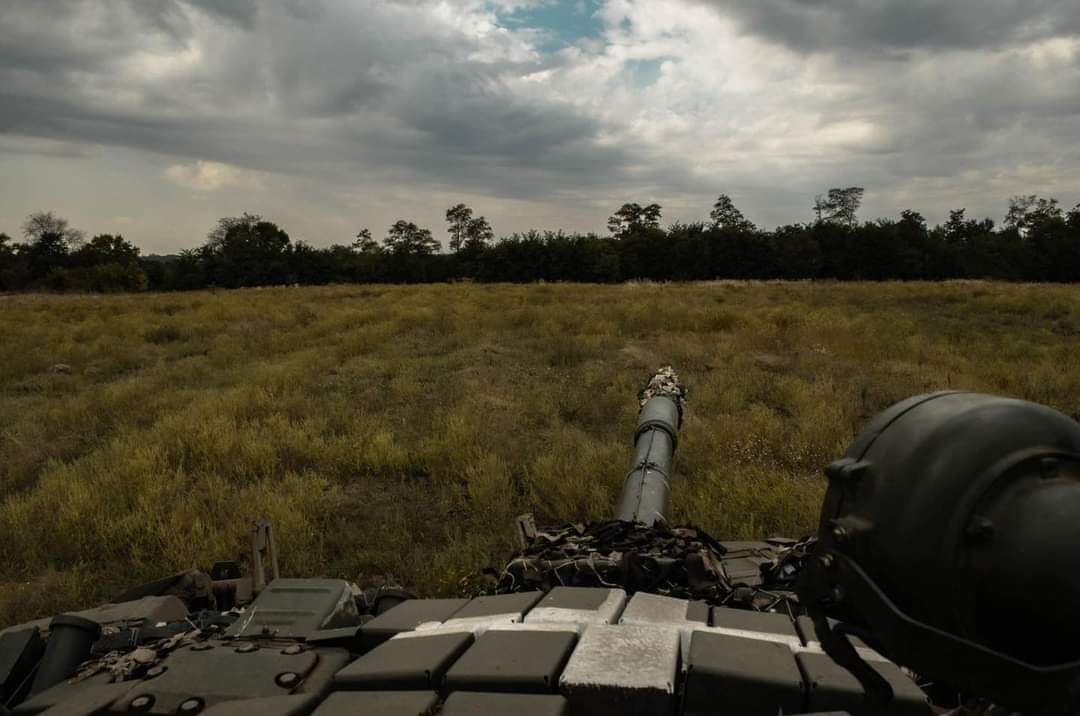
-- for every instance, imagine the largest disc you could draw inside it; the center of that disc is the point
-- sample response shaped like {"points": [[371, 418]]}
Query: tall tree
{"points": [[478, 233], [405, 237], [914, 218], [1073, 218], [634, 218], [1031, 211], [841, 205], [458, 217], [956, 228], [467, 231], [7, 262], [725, 216], [365, 244]]}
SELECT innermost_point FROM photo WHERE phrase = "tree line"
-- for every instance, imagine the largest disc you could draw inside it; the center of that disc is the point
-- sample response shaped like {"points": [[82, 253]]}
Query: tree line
{"points": [[1037, 241]]}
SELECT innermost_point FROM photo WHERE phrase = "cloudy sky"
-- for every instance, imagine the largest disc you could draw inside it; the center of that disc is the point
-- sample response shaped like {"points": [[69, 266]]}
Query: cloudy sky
{"points": [[152, 118]]}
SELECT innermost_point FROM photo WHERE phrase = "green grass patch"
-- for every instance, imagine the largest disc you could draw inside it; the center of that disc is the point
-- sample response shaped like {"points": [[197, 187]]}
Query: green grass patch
{"points": [[394, 431]]}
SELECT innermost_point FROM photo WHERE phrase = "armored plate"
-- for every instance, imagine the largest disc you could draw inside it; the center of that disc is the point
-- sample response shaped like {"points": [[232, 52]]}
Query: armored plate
{"points": [[85, 697], [406, 617], [750, 677], [623, 669], [19, 654], [502, 608], [833, 688], [657, 609], [583, 605], [149, 610], [514, 661], [213, 672], [294, 608], [600, 653], [743, 561], [808, 633], [414, 663]]}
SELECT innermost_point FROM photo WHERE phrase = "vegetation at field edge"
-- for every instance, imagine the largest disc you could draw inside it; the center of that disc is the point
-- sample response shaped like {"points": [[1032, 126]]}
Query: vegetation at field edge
{"points": [[394, 431]]}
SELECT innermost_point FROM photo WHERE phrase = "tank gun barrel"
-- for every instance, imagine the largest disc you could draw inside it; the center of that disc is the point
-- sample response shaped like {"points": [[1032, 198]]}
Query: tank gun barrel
{"points": [[646, 492]]}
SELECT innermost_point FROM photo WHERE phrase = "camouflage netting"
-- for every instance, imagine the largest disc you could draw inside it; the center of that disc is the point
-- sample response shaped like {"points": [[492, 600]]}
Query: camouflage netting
{"points": [[682, 562], [665, 383]]}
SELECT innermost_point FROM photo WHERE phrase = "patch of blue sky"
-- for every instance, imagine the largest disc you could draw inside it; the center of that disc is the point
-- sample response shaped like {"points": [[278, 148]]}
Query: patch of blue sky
{"points": [[559, 23], [644, 72]]}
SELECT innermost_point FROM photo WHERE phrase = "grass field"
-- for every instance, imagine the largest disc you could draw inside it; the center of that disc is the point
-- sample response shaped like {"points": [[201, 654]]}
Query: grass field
{"points": [[395, 431]]}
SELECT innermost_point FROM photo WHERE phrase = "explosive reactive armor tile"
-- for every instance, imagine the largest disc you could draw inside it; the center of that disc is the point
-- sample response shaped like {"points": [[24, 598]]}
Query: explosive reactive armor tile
{"points": [[520, 661], [729, 675], [585, 605], [407, 616], [832, 688], [496, 609], [415, 663], [753, 621], [646, 608], [623, 669]]}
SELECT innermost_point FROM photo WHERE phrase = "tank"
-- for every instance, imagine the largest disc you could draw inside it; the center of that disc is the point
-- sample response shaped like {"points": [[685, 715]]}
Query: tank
{"points": [[632, 615]]}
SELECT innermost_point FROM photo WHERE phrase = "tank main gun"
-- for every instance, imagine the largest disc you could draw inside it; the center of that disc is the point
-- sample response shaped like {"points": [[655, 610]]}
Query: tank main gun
{"points": [[646, 492]]}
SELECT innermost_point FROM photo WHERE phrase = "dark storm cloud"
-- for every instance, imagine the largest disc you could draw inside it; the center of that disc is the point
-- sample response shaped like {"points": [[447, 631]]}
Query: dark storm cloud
{"points": [[287, 87], [419, 95], [893, 25], [241, 12]]}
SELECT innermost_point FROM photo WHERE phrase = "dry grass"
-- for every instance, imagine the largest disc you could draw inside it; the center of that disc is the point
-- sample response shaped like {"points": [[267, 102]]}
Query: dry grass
{"points": [[397, 430]]}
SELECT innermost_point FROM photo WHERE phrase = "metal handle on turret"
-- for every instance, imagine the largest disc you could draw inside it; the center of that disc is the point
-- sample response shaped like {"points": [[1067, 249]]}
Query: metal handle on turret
{"points": [[646, 493]]}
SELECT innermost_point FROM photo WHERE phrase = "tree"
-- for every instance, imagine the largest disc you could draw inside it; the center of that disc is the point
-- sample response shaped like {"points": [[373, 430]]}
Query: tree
{"points": [[7, 263], [405, 237], [227, 223], [633, 219], [365, 244], [49, 241], [1030, 212], [458, 217], [724, 215], [467, 232], [106, 248], [956, 226], [959, 229], [913, 219], [47, 226], [840, 206], [247, 251], [1073, 218], [478, 233]]}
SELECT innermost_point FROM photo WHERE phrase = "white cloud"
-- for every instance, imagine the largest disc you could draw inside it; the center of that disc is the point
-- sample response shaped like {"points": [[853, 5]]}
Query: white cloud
{"points": [[210, 176]]}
